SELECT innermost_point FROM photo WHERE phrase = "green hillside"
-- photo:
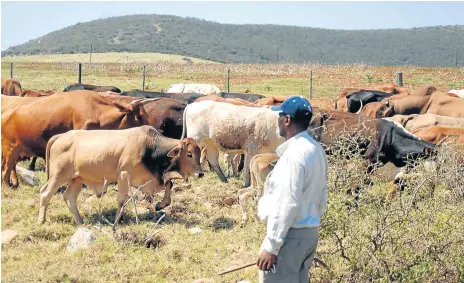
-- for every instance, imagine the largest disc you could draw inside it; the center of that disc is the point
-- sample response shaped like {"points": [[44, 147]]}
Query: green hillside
{"points": [[430, 46]]}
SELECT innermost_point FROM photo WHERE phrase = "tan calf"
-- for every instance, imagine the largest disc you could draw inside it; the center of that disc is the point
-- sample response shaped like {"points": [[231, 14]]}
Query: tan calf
{"points": [[132, 157]]}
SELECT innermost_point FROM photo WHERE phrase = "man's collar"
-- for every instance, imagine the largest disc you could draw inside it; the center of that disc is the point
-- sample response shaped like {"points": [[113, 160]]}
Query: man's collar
{"points": [[283, 147]]}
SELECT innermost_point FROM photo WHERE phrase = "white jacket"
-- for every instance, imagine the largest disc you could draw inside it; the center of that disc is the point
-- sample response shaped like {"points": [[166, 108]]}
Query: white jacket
{"points": [[295, 192]]}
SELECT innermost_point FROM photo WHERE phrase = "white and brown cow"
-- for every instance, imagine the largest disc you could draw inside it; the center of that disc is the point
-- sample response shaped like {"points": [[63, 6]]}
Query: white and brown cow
{"points": [[231, 128], [135, 156]]}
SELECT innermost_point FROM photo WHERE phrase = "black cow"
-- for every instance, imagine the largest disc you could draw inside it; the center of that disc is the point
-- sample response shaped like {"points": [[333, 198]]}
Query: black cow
{"points": [[91, 87], [378, 139], [183, 97], [356, 100], [245, 96]]}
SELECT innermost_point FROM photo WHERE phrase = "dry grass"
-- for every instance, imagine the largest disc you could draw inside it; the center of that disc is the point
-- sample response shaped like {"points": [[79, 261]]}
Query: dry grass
{"points": [[366, 235]]}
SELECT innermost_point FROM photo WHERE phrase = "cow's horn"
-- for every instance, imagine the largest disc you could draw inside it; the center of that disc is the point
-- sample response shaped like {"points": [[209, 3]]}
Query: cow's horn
{"points": [[360, 108], [145, 101]]}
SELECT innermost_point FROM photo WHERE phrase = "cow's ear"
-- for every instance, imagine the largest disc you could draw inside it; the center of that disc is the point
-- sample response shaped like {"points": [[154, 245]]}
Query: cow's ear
{"points": [[174, 152], [123, 108]]}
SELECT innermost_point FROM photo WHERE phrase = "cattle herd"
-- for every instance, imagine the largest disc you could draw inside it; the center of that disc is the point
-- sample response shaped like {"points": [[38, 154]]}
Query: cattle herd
{"points": [[95, 135]]}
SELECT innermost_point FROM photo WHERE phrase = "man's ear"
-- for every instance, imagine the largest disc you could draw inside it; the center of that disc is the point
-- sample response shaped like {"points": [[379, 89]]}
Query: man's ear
{"points": [[174, 152]]}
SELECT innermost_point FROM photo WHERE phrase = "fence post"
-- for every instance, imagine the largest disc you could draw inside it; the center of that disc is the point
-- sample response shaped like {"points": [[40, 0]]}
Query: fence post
{"points": [[79, 74], [399, 79], [228, 80], [143, 79], [310, 84], [11, 70]]}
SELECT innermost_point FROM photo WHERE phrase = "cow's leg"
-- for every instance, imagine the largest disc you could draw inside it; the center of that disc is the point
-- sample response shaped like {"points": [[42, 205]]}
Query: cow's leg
{"points": [[235, 163], [212, 155], [243, 196], [166, 199], [32, 164], [123, 191], [11, 158], [246, 170], [70, 197], [46, 193]]}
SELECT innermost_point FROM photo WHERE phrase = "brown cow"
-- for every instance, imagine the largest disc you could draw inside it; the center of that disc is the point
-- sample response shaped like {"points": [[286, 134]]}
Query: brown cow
{"points": [[406, 106], [36, 93], [27, 128], [371, 109], [424, 90], [438, 134], [139, 156], [415, 121], [444, 105], [11, 87], [9, 102], [271, 100]]}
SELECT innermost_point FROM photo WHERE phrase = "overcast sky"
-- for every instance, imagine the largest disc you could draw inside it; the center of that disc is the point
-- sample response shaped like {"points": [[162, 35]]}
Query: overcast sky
{"points": [[23, 21]]}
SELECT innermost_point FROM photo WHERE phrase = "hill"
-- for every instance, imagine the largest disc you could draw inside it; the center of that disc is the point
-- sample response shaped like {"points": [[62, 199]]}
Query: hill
{"points": [[430, 46]]}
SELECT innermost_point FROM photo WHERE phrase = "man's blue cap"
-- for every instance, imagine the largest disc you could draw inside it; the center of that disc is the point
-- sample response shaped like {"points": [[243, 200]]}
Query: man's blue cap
{"points": [[295, 106]]}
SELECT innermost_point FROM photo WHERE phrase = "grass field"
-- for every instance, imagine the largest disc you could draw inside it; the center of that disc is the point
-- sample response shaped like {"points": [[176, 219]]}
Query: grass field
{"points": [[366, 236]]}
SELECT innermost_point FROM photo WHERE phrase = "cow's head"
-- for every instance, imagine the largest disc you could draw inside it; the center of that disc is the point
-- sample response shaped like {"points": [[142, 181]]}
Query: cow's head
{"points": [[386, 110], [185, 160], [394, 144], [135, 113]]}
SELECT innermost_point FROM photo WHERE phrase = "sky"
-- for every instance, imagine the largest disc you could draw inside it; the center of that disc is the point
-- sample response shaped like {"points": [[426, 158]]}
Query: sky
{"points": [[23, 21]]}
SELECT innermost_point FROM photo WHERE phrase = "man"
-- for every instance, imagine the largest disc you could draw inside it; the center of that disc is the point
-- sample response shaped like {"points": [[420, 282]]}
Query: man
{"points": [[295, 197]]}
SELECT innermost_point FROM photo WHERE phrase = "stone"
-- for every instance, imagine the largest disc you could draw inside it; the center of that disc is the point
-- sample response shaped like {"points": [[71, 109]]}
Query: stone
{"points": [[82, 239], [8, 236], [195, 230], [27, 177]]}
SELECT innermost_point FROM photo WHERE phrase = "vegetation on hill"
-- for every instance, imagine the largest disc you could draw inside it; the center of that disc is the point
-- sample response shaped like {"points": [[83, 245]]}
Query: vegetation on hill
{"points": [[430, 46]]}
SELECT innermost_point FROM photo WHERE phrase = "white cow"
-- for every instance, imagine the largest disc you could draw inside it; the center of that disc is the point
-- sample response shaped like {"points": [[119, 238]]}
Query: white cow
{"points": [[205, 89], [233, 129], [458, 92]]}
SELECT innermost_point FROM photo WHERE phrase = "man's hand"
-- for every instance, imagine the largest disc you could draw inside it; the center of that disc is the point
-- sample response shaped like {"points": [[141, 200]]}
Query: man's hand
{"points": [[265, 260]]}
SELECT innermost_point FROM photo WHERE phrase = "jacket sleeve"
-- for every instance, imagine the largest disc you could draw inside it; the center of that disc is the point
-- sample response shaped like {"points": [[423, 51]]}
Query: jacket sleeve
{"points": [[288, 192]]}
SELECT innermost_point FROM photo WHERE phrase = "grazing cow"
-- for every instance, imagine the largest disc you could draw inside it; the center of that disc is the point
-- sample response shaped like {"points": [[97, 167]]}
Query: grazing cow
{"points": [[416, 121], [205, 89], [457, 92], [36, 93], [357, 99], [96, 88], [405, 106], [139, 156], [245, 96], [379, 139], [183, 97], [26, 129], [164, 114], [231, 128], [444, 105], [438, 134], [11, 87]]}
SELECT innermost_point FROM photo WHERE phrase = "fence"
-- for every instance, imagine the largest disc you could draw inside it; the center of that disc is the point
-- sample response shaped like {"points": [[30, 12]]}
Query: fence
{"points": [[399, 78]]}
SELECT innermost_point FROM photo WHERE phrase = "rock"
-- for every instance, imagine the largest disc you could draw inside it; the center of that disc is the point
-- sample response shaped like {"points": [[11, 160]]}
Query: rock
{"points": [[27, 177], [204, 280], [228, 201], [82, 239], [195, 230], [8, 235]]}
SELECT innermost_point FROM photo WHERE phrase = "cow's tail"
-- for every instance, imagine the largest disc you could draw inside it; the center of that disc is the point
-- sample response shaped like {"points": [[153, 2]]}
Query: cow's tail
{"points": [[184, 122], [47, 153]]}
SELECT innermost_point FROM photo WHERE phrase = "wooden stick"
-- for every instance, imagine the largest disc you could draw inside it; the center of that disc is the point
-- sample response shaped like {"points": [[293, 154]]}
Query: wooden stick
{"points": [[237, 268]]}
